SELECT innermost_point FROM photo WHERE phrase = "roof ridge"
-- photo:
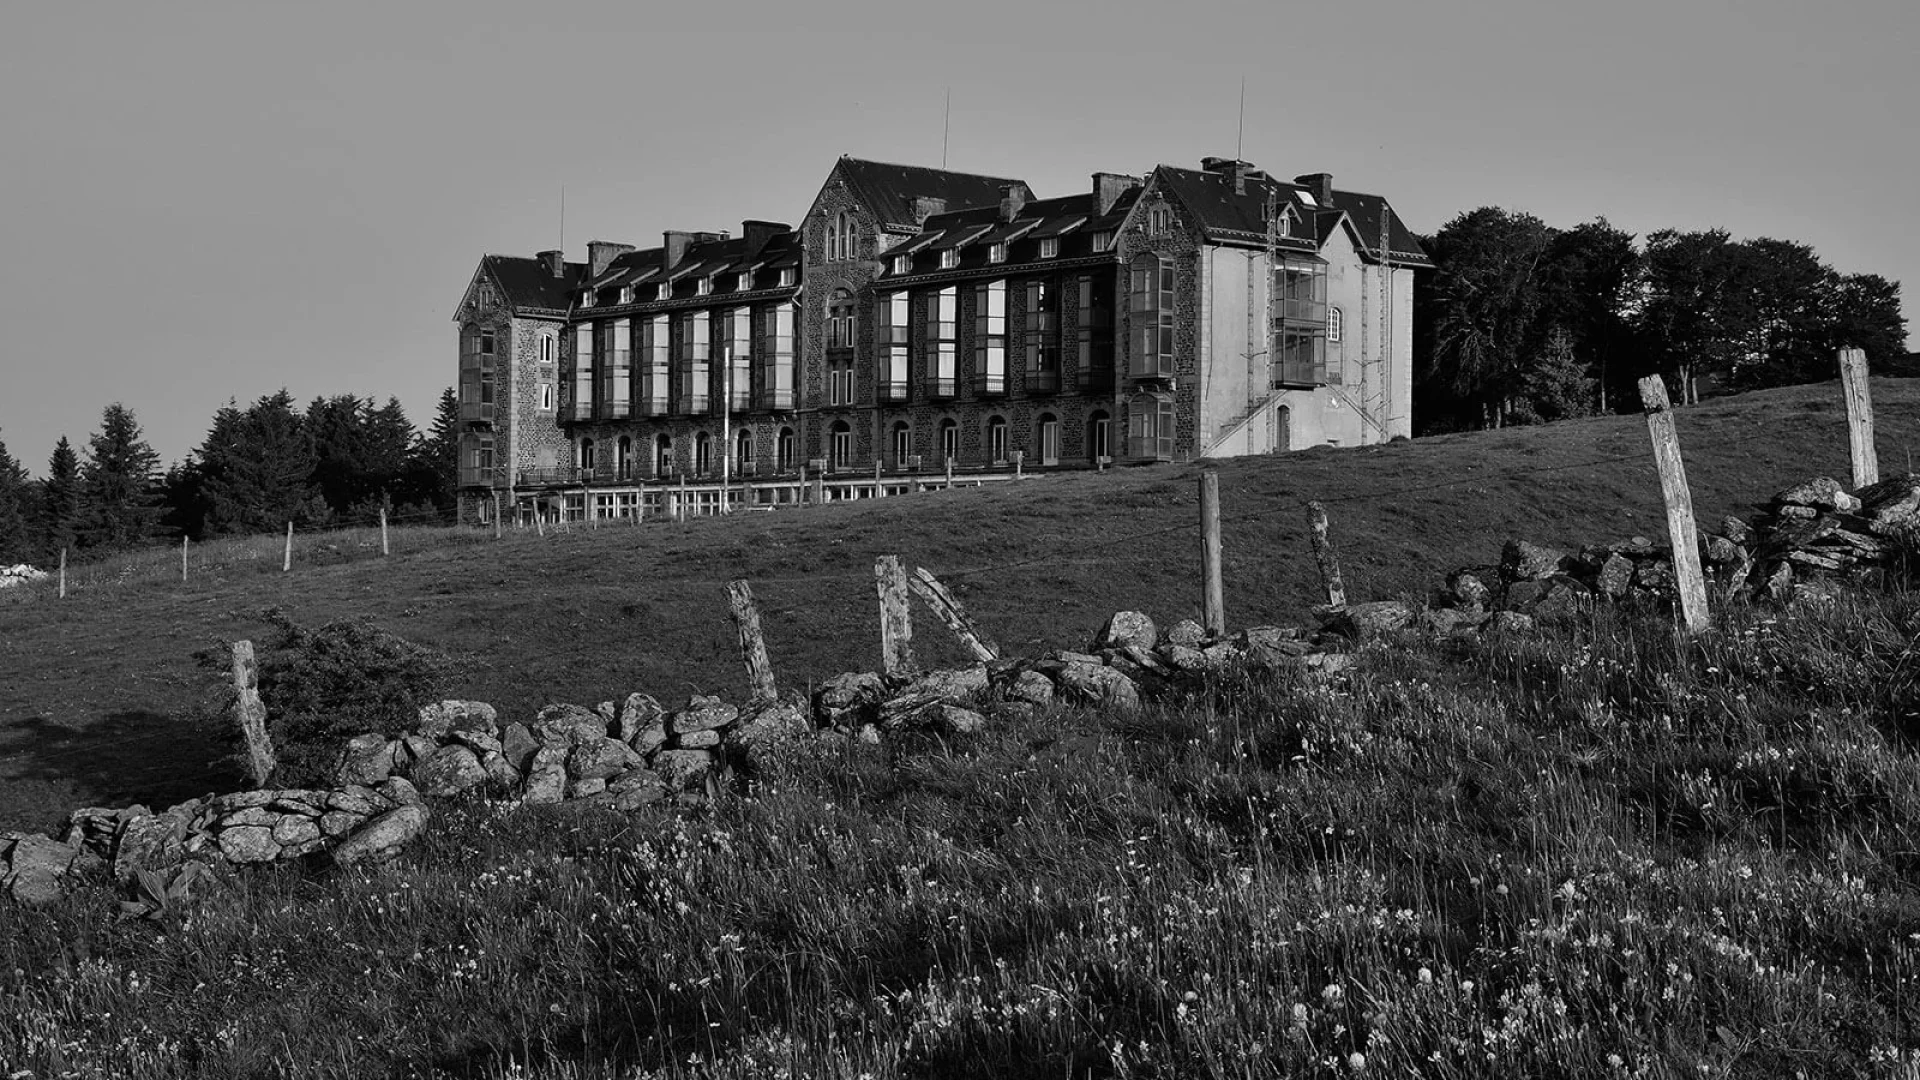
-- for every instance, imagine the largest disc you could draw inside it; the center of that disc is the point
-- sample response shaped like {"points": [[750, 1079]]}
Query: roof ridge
{"points": [[927, 168]]}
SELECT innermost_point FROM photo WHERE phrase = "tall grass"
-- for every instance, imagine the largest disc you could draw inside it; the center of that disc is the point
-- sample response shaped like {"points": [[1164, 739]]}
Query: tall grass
{"points": [[1604, 851]]}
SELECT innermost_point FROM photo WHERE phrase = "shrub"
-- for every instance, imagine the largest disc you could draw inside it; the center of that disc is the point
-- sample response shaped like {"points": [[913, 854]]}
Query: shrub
{"points": [[324, 685]]}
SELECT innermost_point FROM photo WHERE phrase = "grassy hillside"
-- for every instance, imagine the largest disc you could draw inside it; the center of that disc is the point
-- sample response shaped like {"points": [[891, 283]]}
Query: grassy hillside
{"points": [[92, 690], [1598, 852]]}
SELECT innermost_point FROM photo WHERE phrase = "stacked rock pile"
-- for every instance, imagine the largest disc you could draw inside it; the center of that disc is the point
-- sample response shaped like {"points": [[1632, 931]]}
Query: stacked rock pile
{"points": [[20, 574], [1811, 532]]}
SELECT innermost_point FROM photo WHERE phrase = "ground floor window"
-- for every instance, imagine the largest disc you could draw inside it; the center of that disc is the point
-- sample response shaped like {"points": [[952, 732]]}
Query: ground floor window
{"points": [[702, 454], [663, 455], [902, 444], [783, 450], [949, 441], [1047, 440], [1099, 428], [840, 447], [997, 438], [1150, 427]]}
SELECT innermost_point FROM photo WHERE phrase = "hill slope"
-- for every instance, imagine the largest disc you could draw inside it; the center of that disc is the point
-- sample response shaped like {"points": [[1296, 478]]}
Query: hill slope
{"points": [[94, 688]]}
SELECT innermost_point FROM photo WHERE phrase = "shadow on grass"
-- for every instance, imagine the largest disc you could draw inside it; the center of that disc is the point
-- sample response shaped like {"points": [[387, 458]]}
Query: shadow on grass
{"points": [[126, 757]]}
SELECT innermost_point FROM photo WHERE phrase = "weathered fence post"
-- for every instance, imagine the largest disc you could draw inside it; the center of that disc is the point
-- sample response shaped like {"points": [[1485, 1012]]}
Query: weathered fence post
{"points": [[683, 515], [878, 491], [384, 549], [896, 620], [183, 559], [497, 526], [1324, 555], [250, 714], [1853, 382], [1019, 464], [948, 610], [753, 647], [949, 486], [1213, 594], [1673, 488], [63, 573], [800, 493], [819, 487], [286, 558]]}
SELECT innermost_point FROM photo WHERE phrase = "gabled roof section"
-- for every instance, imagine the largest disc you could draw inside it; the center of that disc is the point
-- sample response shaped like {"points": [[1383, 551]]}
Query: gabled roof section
{"points": [[890, 191], [1240, 216], [530, 287]]}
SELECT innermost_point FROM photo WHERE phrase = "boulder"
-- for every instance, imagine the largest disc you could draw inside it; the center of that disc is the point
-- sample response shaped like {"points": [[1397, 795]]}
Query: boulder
{"points": [[683, 768], [1508, 622], [1818, 491], [153, 842], [629, 799], [909, 708], [33, 868], [586, 787], [547, 775], [368, 759], [766, 725], [335, 824], [1372, 618], [1184, 658], [610, 713], [398, 791], [955, 720], [1721, 551], [1523, 561], [1467, 590], [1615, 576], [1031, 687], [501, 775], [597, 759], [637, 714], [442, 718], [1097, 684], [248, 844], [703, 714], [363, 801], [450, 771], [295, 831], [383, 837], [651, 738], [1185, 633], [518, 745], [1797, 513], [1736, 530], [418, 749], [848, 700], [479, 742], [568, 724], [1124, 628]]}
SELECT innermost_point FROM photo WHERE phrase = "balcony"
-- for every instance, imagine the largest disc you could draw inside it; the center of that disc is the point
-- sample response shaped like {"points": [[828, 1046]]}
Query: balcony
{"points": [[548, 477], [991, 383], [1309, 311], [894, 392], [943, 388], [1043, 382], [1094, 378], [476, 412]]}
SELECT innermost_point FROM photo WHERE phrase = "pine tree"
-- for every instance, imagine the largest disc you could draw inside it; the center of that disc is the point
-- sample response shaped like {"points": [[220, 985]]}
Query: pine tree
{"points": [[60, 498], [255, 467], [15, 540], [438, 455], [118, 505]]}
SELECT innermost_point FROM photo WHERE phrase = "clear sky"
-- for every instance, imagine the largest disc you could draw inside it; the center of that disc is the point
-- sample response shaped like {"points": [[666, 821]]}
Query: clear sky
{"points": [[209, 200]]}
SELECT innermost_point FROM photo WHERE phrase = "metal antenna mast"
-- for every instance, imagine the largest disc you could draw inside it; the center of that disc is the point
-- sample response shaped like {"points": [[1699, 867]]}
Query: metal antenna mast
{"points": [[946, 126]]}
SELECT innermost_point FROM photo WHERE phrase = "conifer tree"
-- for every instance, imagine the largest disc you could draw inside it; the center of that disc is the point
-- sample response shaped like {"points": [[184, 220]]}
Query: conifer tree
{"points": [[118, 505], [15, 541], [60, 498], [439, 452], [255, 467]]}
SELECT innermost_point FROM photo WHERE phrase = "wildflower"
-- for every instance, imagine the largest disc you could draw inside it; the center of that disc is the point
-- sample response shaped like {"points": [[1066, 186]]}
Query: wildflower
{"points": [[1426, 977], [1356, 1061]]}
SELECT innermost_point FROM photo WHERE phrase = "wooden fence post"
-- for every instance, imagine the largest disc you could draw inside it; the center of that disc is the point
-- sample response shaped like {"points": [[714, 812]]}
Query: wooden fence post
{"points": [[183, 558], [682, 509], [1214, 597], [878, 491], [753, 647], [1853, 382], [820, 487], [1323, 554], [949, 486], [384, 549], [896, 620], [800, 495], [63, 573], [497, 526], [1673, 488], [948, 610], [250, 714], [286, 559]]}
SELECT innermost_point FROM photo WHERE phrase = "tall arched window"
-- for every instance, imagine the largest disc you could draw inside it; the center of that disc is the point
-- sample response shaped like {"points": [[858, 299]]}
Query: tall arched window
{"points": [[623, 457], [702, 453], [663, 455], [1334, 319], [586, 456], [1099, 435], [902, 444], [840, 237], [840, 446], [783, 450], [743, 451], [949, 440], [996, 438], [1046, 439]]}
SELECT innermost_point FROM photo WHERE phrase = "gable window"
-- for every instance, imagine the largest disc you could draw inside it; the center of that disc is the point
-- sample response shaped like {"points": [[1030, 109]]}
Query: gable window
{"points": [[626, 294], [696, 367], [740, 359], [840, 446], [1286, 223], [902, 263], [704, 286], [997, 439], [776, 359], [949, 258], [663, 291], [1159, 220], [1152, 309], [1049, 247], [1102, 241], [586, 300], [942, 348], [743, 281], [1042, 337], [655, 371], [990, 338], [786, 276], [997, 253], [892, 333], [840, 237], [483, 296]]}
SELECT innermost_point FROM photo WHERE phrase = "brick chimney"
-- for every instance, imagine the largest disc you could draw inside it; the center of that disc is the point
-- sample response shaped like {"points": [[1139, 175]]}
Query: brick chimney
{"points": [[1319, 185], [673, 248], [1013, 199], [554, 261], [1108, 187], [758, 234], [925, 206], [601, 253]]}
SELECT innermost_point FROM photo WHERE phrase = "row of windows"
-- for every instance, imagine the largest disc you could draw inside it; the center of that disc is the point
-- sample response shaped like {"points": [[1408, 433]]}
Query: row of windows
{"points": [[743, 281], [949, 257]]}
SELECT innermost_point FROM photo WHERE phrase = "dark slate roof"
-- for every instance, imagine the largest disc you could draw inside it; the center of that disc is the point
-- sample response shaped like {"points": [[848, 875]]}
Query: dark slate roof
{"points": [[889, 190], [974, 230], [530, 287], [1240, 216]]}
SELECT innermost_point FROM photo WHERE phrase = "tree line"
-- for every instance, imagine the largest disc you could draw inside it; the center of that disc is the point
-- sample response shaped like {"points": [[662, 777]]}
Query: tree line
{"points": [[1521, 322], [340, 461]]}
